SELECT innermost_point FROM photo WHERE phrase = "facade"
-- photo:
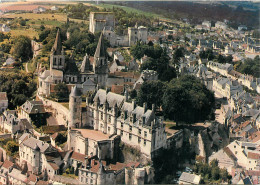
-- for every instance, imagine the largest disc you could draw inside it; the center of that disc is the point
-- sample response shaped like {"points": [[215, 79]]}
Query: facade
{"points": [[67, 71], [38, 155], [31, 109], [223, 69], [3, 101], [111, 114], [98, 20], [136, 34], [10, 123]]}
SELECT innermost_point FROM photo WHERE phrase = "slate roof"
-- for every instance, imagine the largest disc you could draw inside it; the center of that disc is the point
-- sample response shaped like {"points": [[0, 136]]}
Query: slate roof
{"points": [[26, 124], [111, 98], [189, 178], [36, 144], [57, 47], [75, 92], [33, 107], [100, 51], [85, 66]]}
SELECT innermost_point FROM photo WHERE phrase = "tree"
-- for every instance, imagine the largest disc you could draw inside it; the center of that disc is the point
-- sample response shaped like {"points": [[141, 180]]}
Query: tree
{"points": [[151, 93], [12, 147], [133, 94], [186, 99], [22, 48], [61, 91], [137, 50]]}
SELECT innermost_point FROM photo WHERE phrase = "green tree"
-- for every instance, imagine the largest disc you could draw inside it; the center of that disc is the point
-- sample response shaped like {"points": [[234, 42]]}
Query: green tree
{"points": [[151, 93], [22, 48], [61, 91], [12, 147], [186, 99]]}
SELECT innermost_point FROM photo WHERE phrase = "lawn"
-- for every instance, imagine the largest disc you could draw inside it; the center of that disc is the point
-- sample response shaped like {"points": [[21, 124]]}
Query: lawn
{"points": [[128, 9], [27, 32], [43, 16]]}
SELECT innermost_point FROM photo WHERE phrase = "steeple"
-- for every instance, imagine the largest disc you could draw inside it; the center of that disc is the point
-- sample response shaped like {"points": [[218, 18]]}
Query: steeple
{"points": [[57, 47], [100, 51], [85, 66]]}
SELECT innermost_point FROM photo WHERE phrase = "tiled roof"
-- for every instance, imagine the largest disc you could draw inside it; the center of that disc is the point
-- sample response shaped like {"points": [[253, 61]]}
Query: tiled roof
{"points": [[230, 153], [32, 178], [54, 166], [93, 134], [118, 89], [7, 164], [252, 155], [3, 96], [78, 156]]}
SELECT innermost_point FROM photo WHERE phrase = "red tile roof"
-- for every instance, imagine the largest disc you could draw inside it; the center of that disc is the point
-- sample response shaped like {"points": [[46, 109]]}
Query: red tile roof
{"points": [[78, 156], [54, 166], [32, 178], [7, 164], [118, 89], [3, 96], [253, 155]]}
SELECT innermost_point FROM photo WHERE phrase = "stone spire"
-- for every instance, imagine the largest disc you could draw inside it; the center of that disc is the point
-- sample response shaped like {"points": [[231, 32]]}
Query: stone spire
{"points": [[57, 47], [100, 51], [85, 66]]}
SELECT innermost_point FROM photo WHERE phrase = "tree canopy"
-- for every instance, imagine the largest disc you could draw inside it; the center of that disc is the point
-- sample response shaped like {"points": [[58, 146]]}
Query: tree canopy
{"points": [[61, 91], [186, 99], [249, 66], [22, 48]]}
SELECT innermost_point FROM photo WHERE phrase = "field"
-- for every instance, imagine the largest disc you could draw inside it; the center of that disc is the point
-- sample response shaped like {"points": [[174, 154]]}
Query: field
{"points": [[27, 32]]}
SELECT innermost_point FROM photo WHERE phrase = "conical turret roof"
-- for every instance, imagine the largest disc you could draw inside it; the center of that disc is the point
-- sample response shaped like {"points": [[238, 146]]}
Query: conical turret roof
{"points": [[75, 91], [57, 47]]}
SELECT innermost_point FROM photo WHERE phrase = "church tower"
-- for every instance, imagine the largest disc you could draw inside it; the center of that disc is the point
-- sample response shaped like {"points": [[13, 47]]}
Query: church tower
{"points": [[75, 108], [100, 66], [57, 58]]}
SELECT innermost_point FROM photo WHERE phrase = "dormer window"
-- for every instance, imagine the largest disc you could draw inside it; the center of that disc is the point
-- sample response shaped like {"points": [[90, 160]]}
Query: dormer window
{"points": [[130, 128], [122, 116], [131, 118]]}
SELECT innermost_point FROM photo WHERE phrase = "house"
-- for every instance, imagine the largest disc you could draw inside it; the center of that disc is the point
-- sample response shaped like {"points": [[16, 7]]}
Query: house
{"points": [[10, 123], [146, 75], [117, 66], [187, 178], [10, 61], [238, 153], [38, 155], [54, 8], [31, 110], [98, 172], [3, 101]]}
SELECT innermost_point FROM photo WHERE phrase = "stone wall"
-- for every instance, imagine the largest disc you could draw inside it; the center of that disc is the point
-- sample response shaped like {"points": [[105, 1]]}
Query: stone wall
{"points": [[60, 112]]}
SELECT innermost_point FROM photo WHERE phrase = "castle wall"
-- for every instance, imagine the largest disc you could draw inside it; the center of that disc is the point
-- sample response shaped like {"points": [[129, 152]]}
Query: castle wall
{"points": [[61, 113]]}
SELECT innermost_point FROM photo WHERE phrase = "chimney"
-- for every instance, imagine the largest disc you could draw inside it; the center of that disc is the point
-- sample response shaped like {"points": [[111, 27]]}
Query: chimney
{"points": [[145, 107], [133, 104], [153, 108], [92, 163]]}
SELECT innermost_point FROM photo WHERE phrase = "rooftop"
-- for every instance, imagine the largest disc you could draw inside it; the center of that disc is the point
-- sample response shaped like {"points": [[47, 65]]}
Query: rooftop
{"points": [[93, 134]]}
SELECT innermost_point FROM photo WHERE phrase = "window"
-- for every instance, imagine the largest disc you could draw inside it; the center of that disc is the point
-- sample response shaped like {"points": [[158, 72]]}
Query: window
{"points": [[55, 61], [234, 146], [109, 119], [122, 133], [139, 131], [144, 142], [101, 115], [131, 118], [92, 113], [130, 128], [108, 129], [60, 61], [122, 125], [130, 137], [139, 140], [75, 100], [145, 134], [75, 109], [34, 156], [235, 152]]}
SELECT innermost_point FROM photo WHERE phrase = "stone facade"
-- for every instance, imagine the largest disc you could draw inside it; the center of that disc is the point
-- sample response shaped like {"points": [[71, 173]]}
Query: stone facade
{"points": [[3, 101], [98, 20], [67, 71], [111, 114]]}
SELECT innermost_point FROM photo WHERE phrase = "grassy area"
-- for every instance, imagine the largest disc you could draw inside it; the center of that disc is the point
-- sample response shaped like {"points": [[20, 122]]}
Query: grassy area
{"points": [[27, 32], [43, 16], [70, 175], [45, 22], [129, 9], [66, 104], [31, 66]]}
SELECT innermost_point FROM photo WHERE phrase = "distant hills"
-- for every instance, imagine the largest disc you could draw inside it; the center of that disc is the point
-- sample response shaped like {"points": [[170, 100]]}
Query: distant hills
{"points": [[246, 13]]}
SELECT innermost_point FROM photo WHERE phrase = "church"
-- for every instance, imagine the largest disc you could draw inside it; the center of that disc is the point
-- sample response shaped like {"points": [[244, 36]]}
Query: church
{"points": [[68, 72]]}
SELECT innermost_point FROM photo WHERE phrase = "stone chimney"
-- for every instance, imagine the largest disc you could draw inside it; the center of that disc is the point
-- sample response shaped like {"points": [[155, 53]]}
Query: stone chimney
{"points": [[145, 107]]}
